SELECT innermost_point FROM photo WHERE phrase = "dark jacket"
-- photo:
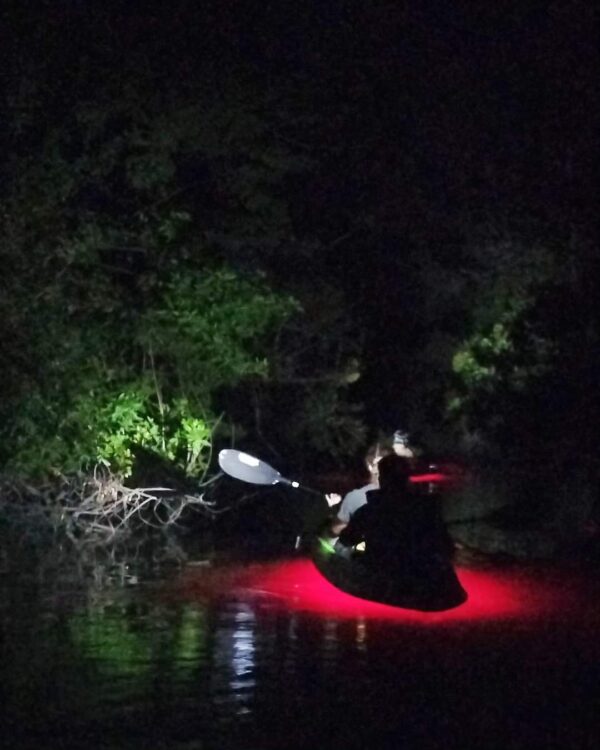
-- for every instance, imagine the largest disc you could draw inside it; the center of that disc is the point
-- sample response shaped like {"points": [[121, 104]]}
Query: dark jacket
{"points": [[406, 541]]}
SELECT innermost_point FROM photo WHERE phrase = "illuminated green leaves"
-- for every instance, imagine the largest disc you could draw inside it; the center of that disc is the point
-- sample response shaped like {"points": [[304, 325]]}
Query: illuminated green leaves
{"points": [[497, 365], [476, 362], [215, 328]]}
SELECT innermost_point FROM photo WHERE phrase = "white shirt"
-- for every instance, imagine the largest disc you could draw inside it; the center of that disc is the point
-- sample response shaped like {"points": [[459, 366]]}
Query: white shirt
{"points": [[353, 501]]}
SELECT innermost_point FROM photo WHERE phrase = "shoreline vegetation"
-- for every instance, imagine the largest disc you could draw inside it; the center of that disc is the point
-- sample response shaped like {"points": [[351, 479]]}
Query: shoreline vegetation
{"points": [[95, 508], [93, 511]]}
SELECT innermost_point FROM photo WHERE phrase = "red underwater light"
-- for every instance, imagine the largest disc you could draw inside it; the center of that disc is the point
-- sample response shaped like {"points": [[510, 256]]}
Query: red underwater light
{"points": [[495, 594], [300, 586]]}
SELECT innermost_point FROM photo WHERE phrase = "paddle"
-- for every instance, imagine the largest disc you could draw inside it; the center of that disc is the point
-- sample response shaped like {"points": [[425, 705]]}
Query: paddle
{"points": [[247, 468]]}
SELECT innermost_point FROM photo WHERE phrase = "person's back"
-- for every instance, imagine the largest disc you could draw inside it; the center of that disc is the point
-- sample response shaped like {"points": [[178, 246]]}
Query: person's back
{"points": [[406, 542], [353, 500]]}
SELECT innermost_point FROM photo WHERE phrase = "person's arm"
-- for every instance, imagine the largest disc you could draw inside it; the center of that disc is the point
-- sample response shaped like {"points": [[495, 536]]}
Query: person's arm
{"points": [[334, 525], [339, 523], [337, 526]]}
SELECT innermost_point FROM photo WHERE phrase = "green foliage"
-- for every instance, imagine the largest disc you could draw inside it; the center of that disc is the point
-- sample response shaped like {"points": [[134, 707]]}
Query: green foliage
{"points": [[132, 420], [206, 331], [327, 423], [501, 371], [214, 328], [494, 371], [485, 361], [125, 228], [475, 363]]}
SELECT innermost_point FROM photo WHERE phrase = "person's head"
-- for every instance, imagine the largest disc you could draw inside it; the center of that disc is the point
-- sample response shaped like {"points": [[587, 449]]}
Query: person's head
{"points": [[401, 444], [394, 472]]}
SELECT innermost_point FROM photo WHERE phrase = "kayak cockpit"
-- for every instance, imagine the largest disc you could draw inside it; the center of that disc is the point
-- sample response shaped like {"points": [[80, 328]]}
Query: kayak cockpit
{"points": [[434, 589]]}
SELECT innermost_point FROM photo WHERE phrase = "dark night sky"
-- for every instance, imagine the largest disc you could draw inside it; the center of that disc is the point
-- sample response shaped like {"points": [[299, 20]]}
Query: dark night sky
{"points": [[451, 101], [498, 84]]}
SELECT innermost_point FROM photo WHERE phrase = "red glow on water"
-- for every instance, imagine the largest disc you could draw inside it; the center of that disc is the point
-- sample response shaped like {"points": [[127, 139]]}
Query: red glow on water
{"points": [[494, 594], [302, 587]]}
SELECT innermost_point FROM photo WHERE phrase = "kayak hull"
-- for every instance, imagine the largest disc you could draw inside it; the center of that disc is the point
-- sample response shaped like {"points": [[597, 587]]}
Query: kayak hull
{"points": [[436, 593]]}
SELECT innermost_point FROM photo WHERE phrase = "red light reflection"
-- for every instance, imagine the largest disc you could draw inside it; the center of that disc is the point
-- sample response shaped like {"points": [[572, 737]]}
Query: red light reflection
{"points": [[494, 594], [302, 587], [433, 478]]}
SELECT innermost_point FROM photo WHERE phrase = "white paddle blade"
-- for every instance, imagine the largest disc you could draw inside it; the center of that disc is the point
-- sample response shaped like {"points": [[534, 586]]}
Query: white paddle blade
{"points": [[247, 468]]}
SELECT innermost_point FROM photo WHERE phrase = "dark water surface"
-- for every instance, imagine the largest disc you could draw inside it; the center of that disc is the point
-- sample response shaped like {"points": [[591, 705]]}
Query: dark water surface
{"points": [[268, 655]]}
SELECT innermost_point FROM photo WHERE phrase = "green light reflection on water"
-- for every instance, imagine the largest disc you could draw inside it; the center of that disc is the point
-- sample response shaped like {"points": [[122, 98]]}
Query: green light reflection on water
{"points": [[123, 643]]}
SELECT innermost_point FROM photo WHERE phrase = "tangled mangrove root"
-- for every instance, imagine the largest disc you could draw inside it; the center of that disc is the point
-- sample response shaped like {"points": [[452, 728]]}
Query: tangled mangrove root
{"points": [[96, 507]]}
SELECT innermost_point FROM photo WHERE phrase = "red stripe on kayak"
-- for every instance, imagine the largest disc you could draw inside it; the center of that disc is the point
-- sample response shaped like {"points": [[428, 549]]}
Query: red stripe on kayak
{"points": [[435, 478]]}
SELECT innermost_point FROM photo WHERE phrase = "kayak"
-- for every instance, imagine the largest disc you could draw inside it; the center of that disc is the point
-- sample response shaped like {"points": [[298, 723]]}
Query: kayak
{"points": [[439, 590], [433, 587]]}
